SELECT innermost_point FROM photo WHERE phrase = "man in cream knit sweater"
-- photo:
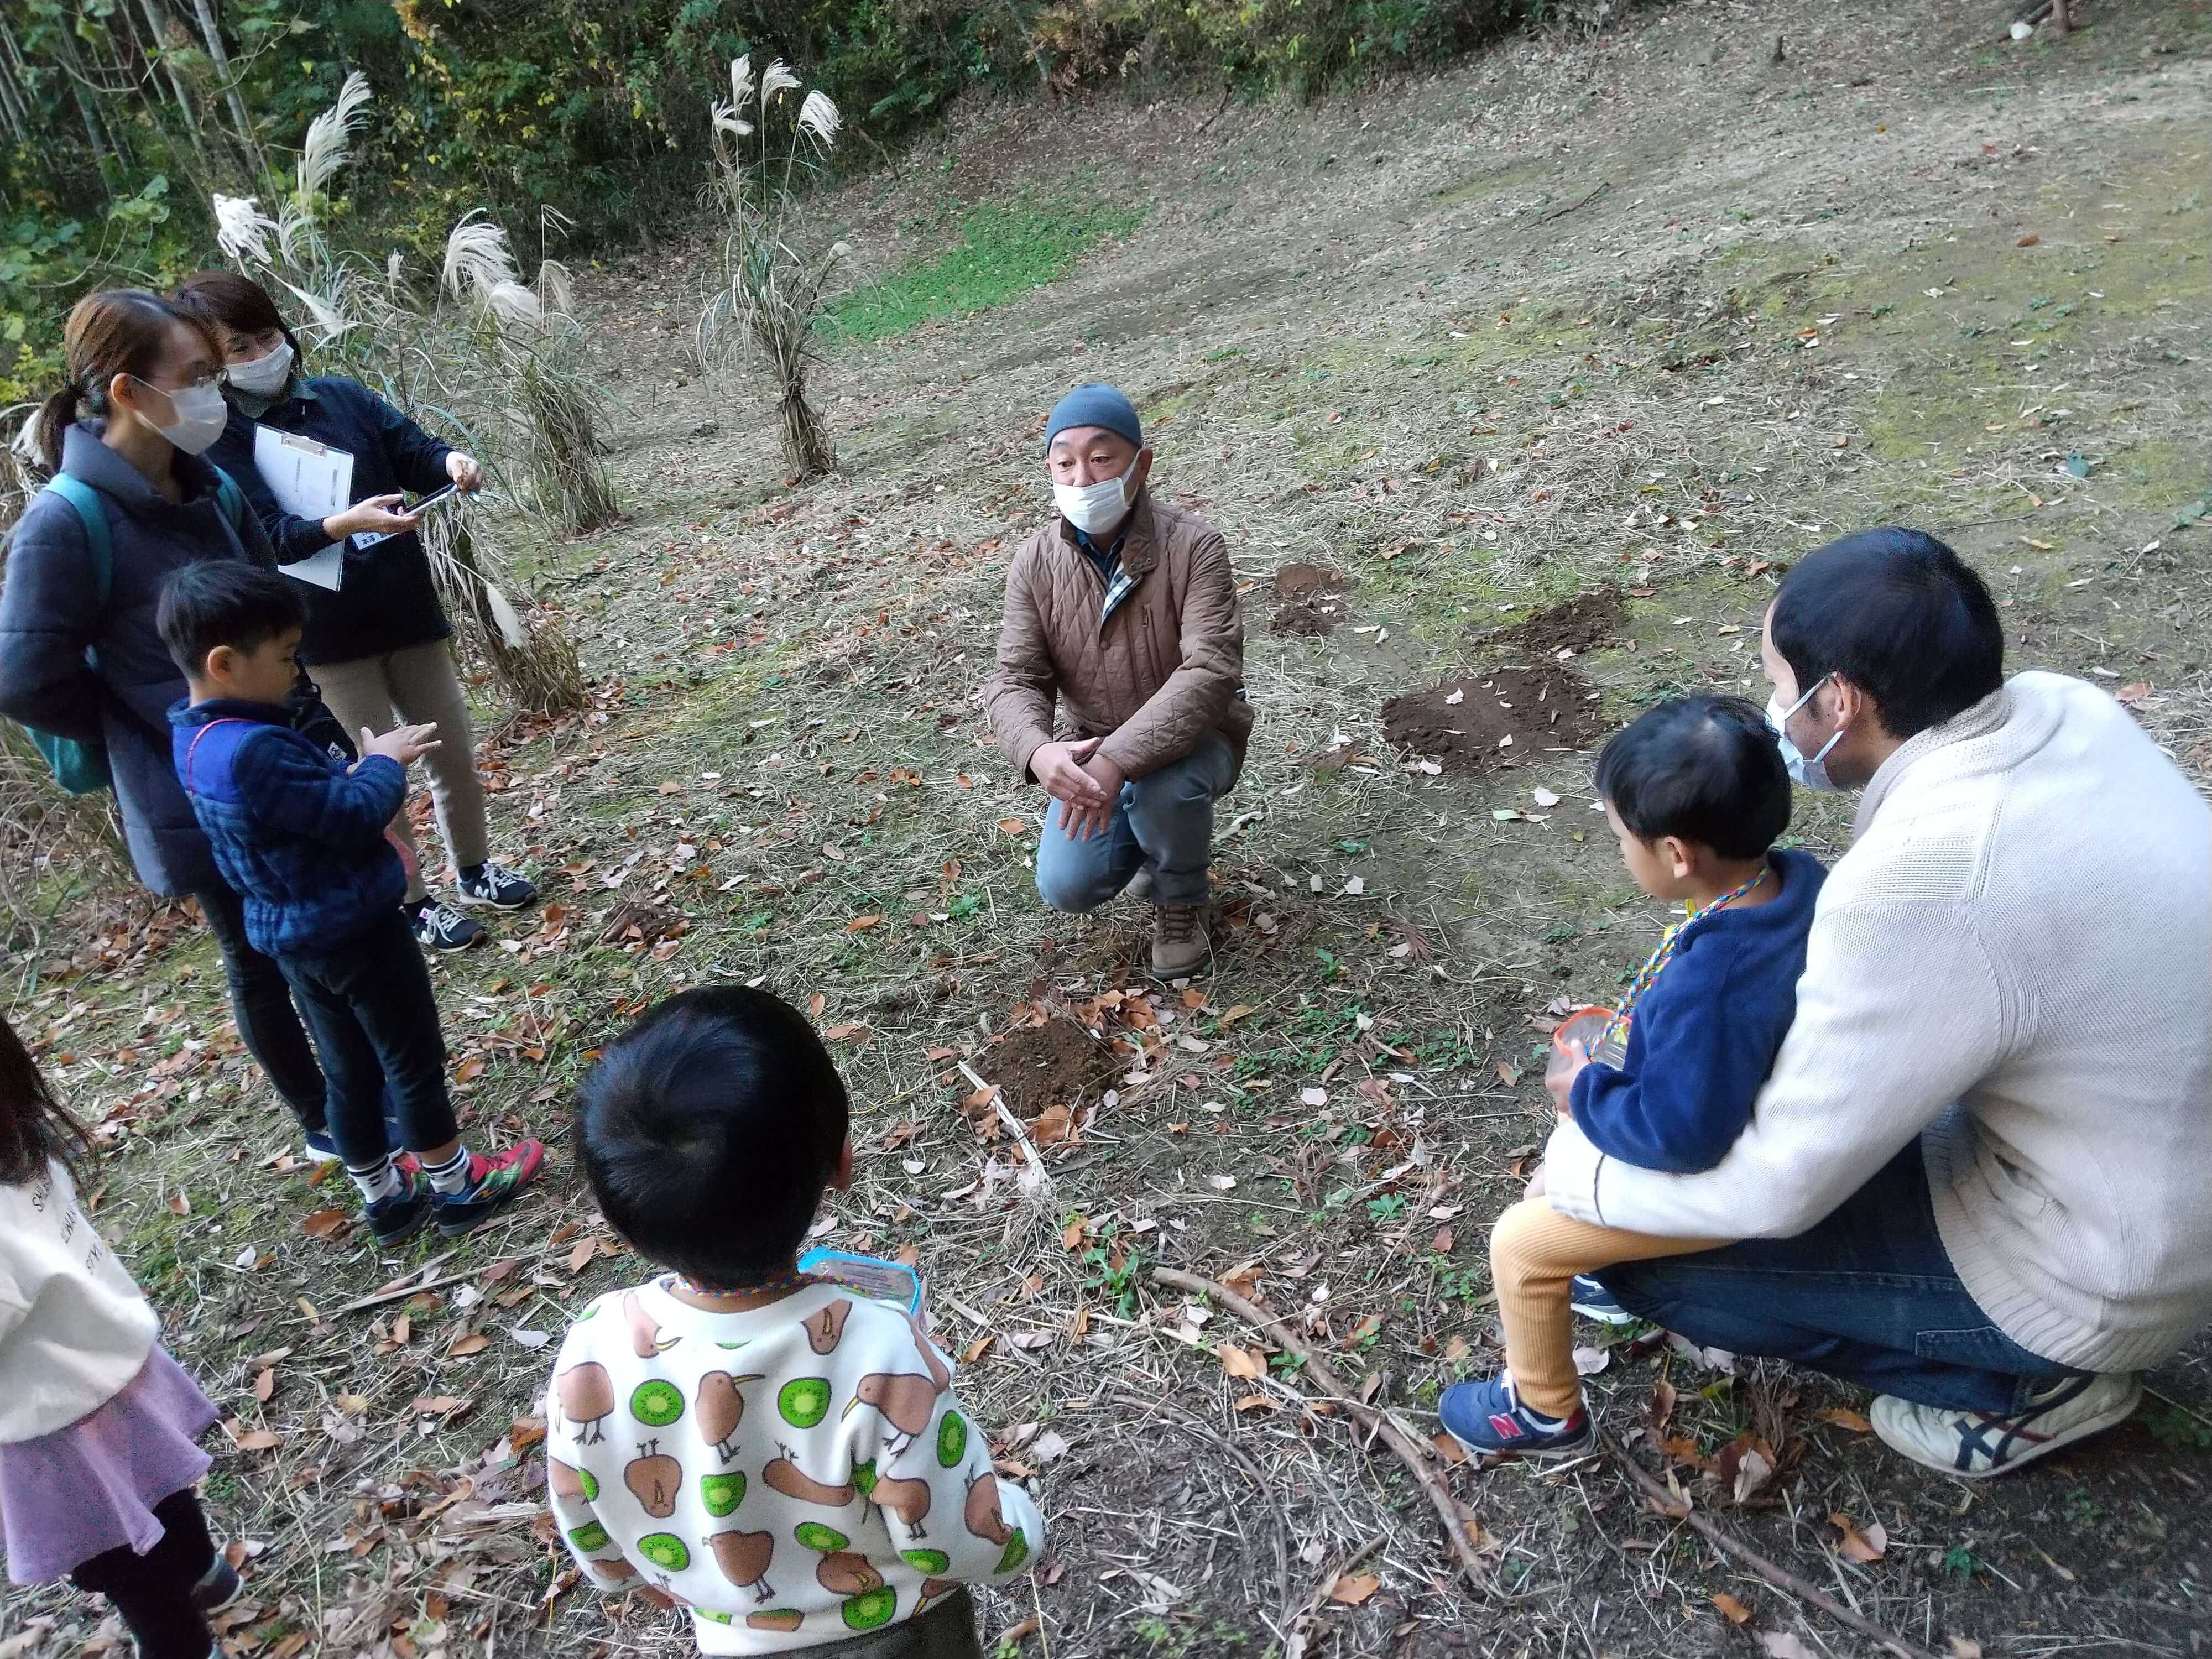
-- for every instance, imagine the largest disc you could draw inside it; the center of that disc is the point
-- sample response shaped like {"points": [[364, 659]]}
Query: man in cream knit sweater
{"points": [[1976, 1179]]}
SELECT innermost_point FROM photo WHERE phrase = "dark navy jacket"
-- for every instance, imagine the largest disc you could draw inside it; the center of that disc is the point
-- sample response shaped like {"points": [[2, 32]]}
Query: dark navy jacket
{"points": [[1705, 1033], [48, 619], [294, 831], [385, 600]]}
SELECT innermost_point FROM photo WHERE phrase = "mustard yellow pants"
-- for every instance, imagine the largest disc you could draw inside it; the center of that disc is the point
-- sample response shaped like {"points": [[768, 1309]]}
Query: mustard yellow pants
{"points": [[1535, 1253]]}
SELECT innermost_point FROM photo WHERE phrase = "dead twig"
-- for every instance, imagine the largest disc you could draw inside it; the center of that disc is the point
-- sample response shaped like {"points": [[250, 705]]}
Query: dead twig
{"points": [[1294, 1632], [1781, 1578], [1228, 94], [1574, 207], [1411, 1452]]}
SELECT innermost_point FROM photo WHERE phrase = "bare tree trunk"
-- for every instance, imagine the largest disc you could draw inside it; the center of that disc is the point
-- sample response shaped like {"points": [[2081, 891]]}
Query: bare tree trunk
{"points": [[213, 37], [2062, 17], [155, 21]]}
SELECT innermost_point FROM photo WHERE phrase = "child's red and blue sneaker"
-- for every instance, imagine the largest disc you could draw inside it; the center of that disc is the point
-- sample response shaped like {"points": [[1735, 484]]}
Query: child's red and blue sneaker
{"points": [[493, 1182], [1488, 1416]]}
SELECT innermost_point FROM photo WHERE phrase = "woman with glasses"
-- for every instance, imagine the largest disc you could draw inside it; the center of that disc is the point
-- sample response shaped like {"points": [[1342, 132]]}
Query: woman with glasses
{"points": [[80, 659]]}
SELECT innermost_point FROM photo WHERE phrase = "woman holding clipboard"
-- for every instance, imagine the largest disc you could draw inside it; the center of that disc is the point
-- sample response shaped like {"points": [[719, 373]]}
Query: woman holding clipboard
{"points": [[378, 643]]}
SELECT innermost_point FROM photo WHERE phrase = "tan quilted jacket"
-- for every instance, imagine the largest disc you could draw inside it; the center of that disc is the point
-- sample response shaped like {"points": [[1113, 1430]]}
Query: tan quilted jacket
{"points": [[1167, 668]]}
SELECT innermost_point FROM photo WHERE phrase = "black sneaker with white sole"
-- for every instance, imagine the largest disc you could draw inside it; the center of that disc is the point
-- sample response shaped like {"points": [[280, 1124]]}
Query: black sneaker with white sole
{"points": [[218, 1588], [1593, 1301], [440, 927], [496, 886], [396, 1219]]}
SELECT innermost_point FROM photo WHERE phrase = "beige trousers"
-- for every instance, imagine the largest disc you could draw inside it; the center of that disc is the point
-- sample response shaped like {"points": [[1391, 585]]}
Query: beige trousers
{"points": [[416, 686], [1535, 1253]]}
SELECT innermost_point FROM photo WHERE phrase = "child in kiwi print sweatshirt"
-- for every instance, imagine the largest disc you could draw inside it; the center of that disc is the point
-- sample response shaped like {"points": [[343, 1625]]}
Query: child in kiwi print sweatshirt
{"points": [[782, 1455]]}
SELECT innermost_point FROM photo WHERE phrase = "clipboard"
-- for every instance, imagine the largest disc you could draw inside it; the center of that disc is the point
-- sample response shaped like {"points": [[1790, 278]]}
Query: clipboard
{"points": [[310, 480]]}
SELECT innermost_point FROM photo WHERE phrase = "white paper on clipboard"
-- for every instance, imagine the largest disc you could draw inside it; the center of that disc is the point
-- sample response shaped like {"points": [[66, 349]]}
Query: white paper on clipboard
{"points": [[310, 480]]}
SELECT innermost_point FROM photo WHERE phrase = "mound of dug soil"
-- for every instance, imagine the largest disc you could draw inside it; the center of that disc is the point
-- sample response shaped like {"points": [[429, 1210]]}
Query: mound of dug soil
{"points": [[1055, 1064], [1586, 620], [1487, 722], [1311, 599]]}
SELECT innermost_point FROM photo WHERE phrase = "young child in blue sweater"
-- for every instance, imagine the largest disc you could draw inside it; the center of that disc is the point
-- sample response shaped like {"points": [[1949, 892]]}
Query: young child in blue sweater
{"points": [[1696, 793], [302, 835]]}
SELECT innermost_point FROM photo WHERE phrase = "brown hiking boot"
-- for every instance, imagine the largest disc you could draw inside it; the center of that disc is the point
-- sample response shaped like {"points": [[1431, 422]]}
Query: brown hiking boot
{"points": [[1140, 885], [1179, 942]]}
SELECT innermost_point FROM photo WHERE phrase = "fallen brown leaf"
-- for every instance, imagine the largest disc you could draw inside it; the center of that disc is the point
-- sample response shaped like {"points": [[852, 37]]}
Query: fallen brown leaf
{"points": [[1865, 1548], [1731, 1609], [1242, 1362], [1353, 1587], [1842, 1416]]}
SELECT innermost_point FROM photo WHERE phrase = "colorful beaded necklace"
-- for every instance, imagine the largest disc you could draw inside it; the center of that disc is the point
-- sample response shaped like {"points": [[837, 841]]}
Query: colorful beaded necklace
{"points": [[1657, 961]]}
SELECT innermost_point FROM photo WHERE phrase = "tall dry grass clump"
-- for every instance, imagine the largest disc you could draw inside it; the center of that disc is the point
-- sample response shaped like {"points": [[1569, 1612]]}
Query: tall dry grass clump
{"points": [[497, 622], [532, 341], [775, 289]]}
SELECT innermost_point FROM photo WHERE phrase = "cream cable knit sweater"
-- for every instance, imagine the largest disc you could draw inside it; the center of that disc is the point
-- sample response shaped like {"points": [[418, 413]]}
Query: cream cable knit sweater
{"points": [[2015, 956]]}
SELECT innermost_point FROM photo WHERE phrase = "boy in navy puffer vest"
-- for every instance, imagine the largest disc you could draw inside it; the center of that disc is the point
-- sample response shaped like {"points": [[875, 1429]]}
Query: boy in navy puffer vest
{"points": [[302, 836]]}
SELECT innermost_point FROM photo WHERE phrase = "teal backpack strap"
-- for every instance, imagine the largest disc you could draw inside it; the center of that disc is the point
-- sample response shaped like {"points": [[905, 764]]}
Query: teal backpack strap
{"points": [[229, 497], [81, 768], [94, 516]]}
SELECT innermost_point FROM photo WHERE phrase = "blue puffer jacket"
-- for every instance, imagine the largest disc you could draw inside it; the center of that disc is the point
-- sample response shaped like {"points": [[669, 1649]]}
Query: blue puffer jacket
{"points": [[121, 696], [294, 831]]}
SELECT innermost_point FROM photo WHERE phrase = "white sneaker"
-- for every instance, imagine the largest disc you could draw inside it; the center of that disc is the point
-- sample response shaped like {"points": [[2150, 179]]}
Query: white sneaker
{"points": [[1974, 1445]]}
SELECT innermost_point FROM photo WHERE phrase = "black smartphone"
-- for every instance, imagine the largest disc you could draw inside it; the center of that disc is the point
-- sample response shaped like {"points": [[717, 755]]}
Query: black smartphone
{"points": [[436, 498]]}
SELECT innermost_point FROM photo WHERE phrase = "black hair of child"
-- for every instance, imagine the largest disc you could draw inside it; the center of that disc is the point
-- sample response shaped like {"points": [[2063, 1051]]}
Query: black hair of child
{"points": [[708, 1130], [224, 602], [33, 1127], [1901, 616], [1704, 769]]}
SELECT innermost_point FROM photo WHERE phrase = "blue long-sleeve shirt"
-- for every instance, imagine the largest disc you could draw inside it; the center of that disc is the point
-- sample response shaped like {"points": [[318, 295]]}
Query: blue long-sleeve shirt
{"points": [[299, 835], [1705, 1033]]}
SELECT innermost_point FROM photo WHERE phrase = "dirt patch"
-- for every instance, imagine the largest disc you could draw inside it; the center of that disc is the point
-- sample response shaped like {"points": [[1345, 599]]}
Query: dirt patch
{"points": [[1586, 620], [1055, 1064], [1488, 722], [1311, 599]]}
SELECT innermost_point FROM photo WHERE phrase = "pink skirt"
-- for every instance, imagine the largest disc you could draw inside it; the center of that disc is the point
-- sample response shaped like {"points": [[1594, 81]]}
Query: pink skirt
{"points": [[91, 1487]]}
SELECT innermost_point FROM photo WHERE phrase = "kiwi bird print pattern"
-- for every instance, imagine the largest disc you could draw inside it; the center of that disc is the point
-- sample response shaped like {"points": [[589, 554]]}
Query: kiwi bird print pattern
{"points": [[784, 1499]]}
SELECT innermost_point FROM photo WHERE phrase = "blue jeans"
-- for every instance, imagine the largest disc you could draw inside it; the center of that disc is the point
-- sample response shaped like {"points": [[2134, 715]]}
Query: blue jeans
{"points": [[1163, 819], [1868, 1295]]}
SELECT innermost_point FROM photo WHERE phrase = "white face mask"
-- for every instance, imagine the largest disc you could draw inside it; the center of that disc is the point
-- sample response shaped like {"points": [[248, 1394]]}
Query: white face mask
{"points": [[265, 376], [200, 416], [1806, 769], [1097, 506]]}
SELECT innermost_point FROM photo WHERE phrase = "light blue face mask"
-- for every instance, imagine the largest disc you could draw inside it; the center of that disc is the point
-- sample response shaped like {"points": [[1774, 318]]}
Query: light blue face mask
{"points": [[1806, 769]]}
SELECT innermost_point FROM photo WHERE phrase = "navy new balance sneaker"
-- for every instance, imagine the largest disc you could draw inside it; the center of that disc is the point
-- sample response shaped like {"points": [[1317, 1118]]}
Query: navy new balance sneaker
{"points": [[1488, 1416]]}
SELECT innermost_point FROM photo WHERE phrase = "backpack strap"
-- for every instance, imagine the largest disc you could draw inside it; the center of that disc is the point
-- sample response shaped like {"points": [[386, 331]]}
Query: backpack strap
{"points": [[229, 497], [92, 514], [193, 747]]}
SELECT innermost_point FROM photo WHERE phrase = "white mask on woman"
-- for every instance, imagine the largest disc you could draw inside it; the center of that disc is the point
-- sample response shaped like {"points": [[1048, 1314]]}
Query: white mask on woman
{"points": [[1096, 507], [199, 416], [263, 376]]}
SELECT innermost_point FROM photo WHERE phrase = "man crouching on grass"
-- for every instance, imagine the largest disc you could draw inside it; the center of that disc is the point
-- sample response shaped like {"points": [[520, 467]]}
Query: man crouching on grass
{"points": [[1124, 609]]}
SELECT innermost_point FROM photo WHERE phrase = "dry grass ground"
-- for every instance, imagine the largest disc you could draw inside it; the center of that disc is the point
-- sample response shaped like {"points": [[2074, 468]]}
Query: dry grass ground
{"points": [[1647, 312]]}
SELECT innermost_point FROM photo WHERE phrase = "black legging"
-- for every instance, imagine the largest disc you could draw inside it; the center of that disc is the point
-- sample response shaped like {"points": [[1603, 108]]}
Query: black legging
{"points": [[154, 1594], [262, 1003]]}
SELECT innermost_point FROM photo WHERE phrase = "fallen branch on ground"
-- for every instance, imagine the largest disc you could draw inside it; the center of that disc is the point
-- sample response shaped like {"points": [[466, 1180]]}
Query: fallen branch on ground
{"points": [[1781, 1578], [1562, 212], [1411, 1452]]}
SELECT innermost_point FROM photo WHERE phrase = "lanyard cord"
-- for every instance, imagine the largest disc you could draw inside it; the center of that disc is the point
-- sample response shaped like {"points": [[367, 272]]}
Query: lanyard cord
{"points": [[1657, 961]]}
